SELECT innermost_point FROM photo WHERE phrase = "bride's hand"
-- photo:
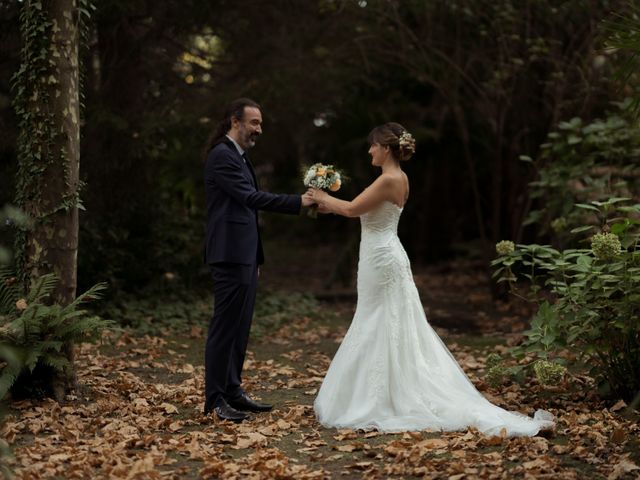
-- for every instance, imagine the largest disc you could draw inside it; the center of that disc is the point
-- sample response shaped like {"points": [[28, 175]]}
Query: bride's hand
{"points": [[317, 195], [323, 209]]}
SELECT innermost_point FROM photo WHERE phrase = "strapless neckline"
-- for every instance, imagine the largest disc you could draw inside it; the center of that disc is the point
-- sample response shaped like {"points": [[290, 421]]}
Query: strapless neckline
{"points": [[395, 205]]}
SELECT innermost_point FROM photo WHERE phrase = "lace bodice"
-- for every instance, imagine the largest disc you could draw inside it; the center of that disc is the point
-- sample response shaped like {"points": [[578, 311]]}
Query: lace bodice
{"points": [[382, 261], [384, 218]]}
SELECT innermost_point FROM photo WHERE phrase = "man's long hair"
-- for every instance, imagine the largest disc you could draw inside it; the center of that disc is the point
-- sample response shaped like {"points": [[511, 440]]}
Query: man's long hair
{"points": [[234, 110]]}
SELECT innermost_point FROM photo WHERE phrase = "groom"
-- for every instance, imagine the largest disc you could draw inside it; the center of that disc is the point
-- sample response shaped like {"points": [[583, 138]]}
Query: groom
{"points": [[233, 252]]}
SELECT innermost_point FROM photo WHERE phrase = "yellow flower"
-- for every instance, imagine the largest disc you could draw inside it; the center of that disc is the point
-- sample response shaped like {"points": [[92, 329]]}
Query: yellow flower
{"points": [[335, 186], [321, 172], [21, 304]]}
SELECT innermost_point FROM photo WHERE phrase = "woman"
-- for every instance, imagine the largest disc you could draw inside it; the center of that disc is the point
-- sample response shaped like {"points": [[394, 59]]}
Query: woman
{"points": [[392, 372]]}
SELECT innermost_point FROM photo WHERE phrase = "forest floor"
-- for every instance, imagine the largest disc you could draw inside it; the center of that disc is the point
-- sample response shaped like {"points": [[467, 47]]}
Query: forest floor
{"points": [[138, 413]]}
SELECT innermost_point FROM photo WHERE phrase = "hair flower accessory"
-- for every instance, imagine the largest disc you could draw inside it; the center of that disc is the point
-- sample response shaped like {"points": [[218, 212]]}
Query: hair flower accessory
{"points": [[407, 140]]}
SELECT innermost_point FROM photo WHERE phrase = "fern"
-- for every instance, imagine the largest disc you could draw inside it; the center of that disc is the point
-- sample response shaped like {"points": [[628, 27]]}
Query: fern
{"points": [[41, 288], [32, 356], [8, 377], [14, 364], [8, 292], [93, 293], [51, 345], [36, 335], [58, 363]]}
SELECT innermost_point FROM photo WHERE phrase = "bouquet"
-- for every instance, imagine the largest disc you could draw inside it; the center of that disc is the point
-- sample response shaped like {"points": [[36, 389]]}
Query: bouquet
{"points": [[324, 177]]}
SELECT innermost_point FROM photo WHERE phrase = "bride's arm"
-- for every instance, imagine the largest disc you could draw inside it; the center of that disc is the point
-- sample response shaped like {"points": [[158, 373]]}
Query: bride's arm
{"points": [[372, 196]]}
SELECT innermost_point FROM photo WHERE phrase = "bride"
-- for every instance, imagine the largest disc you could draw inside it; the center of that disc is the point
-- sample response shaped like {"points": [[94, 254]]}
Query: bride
{"points": [[392, 372]]}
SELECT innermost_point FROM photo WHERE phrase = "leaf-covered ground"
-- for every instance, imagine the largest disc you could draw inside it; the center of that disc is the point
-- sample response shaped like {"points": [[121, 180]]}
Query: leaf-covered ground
{"points": [[138, 413]]}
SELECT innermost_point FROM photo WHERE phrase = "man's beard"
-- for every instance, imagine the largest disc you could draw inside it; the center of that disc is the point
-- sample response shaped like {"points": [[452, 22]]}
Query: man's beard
{"points": [[251, 139]]}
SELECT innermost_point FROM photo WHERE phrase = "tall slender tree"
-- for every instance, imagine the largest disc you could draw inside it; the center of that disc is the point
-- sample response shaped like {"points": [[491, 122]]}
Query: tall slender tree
{"points": [[47, 99]]}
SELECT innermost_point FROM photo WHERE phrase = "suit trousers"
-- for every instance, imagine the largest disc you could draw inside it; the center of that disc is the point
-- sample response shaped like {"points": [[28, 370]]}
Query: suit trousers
{"points": [[234, 292]]}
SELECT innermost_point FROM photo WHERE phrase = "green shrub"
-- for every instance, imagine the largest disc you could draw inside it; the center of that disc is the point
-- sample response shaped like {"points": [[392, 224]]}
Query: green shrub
{"points": [[496, 375], [589, 298], [34, 331], [584, 162], [549, 373]]}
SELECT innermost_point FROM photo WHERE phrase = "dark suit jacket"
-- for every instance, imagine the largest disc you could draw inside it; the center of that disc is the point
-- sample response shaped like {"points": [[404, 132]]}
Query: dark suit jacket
{"points": [[233, 201]]}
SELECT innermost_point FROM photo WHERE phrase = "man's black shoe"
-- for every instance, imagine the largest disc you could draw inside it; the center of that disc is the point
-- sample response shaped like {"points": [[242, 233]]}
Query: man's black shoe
{"points": [[225, 412], [246, 404]]}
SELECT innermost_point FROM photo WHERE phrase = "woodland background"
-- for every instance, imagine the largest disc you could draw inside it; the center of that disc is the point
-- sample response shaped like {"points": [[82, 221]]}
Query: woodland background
{"points": [[478, 83], [526, 120]]}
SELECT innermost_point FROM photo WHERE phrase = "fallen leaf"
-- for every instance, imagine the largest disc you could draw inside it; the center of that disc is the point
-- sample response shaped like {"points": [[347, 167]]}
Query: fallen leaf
{"points": [[248, 440], [620, 404], [168, 408], [618, 436], [360, 465], [625, 465], [433, 443], [346, 448], [175, 426]]}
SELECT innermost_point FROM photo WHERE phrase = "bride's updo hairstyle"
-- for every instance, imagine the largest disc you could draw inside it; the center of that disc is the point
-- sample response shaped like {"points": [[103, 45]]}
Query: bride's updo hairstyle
{"points": [[396, 137]]}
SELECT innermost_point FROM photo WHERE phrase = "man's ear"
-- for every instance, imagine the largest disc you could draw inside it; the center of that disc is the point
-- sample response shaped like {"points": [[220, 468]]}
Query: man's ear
{"points": [[234, 122]]}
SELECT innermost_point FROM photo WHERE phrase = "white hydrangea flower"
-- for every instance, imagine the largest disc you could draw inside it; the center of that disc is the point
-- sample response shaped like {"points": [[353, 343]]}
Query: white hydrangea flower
{"points": [[505, 247], [606, 246]]}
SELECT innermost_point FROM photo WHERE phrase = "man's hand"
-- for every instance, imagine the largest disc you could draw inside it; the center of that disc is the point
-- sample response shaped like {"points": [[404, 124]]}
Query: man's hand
{"points": [[307, 200]]}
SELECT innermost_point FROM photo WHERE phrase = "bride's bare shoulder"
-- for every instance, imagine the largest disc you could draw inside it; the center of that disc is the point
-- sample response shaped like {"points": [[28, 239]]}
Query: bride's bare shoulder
{"points": [[397, 187], [394, 180], [391, 177]]}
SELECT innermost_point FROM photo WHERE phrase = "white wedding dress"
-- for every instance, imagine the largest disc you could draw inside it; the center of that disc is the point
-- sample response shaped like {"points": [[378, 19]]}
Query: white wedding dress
{"points": [[392, 372]]}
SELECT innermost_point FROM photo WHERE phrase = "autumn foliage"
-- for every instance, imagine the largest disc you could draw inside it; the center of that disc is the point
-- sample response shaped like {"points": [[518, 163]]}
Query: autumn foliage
{"points": [[138, 415]]}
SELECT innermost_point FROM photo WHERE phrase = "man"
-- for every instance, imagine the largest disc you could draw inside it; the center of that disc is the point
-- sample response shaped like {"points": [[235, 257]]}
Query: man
{"points": [[233, 252]]}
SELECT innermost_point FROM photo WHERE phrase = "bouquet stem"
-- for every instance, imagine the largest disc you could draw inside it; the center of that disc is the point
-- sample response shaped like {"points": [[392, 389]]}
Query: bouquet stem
{"points": [[312, 212]]}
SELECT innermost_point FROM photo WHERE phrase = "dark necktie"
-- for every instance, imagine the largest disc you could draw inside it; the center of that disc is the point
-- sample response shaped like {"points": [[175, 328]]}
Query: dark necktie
{"points": [[248, 165]]}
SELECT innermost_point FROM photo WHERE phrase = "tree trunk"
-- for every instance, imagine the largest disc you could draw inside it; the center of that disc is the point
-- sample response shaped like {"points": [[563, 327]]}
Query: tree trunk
{"points": [[52, 181]]}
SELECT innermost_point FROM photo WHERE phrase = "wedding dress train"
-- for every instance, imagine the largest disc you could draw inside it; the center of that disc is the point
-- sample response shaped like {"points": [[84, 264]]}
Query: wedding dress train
{"points": [[392, 372]]}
